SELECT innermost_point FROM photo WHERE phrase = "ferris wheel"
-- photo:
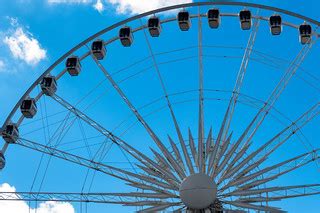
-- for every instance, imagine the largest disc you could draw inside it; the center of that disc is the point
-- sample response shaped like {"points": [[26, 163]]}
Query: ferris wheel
{"points": [[172, 121]]}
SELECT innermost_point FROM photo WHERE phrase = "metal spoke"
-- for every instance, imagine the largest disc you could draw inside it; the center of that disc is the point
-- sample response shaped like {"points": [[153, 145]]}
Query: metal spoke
{"points": [[129, 149], [176, 152], [273, 172], [230, 172], [224, 148], [263, 112], [193, 148], [201, 149], [109, 170], [209, 143], [152, 134], [276, 141], [159, 207], [112, 198], [253, 207], [234, 98], [301, 190], [176, 124]]}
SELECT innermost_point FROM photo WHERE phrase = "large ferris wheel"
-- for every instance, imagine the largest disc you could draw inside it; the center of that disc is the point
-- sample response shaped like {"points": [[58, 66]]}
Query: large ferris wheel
{"points": [[174, 122]]}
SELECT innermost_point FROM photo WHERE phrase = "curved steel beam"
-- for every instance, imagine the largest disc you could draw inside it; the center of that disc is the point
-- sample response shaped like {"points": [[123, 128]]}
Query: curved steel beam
{"points": [[89, 39]]}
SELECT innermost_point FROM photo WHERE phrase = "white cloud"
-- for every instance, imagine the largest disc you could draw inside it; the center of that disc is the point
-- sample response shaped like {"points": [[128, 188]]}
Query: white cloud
{"points": [[22, 206], [68, 1], [2, 65], [140, 6], [99, 6], [24, 46], [124, 6]]}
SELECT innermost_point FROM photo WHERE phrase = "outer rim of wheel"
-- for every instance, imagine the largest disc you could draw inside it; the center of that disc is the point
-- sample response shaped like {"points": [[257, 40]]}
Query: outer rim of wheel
{"points": [[136, 17]]}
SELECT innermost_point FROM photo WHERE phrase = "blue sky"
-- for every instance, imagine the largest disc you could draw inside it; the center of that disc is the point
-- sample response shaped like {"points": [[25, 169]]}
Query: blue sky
{"points": [[34, 33]]}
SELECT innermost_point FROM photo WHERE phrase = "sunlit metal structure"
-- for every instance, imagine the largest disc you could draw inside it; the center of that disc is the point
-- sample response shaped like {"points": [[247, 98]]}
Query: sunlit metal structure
{"points": [[210, 173]]}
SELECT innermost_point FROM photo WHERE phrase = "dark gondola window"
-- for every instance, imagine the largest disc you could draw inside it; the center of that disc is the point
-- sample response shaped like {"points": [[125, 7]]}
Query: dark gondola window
{"points": [[72, 62], [125, 32], [153, 22], [305, 29], [183, 16], [47, 82], [245, 15], [26, 104], [213, 14], [9, 129], [97, 45], [275, 20]]}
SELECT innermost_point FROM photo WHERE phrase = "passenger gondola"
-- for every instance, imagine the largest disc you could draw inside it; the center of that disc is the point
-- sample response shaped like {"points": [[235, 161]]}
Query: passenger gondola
{"points": [[126, 36], [154, 26], [305, 31], [73, 65], [213, 18], [28, 108], [98, 49], [184, 20], [11, 133], [245, 19], [48, 85], [275, 23]]}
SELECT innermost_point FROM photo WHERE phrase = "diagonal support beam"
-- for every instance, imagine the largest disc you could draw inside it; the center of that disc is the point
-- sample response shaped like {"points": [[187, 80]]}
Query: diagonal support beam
{"points": [[254, 125], [129, 149], [176, 152], [278, 140], [201, 148], [193, 149], [224, 148], [280, 191], [152, 134], [173, 116], [109, 170], [253, 207], [234, 98], [273, 172], [112, 198]]}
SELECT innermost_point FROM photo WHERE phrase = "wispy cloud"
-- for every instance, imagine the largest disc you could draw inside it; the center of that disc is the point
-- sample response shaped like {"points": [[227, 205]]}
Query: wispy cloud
{"points": [[19, 45], [68, 1], [23, 207], [123, 6], [24, 46], [99, 6], [140, 6], [2, 65]]}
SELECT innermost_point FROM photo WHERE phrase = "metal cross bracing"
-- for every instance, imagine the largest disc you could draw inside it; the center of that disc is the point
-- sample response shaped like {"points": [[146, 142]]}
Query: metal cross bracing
{"points": [[269, 147], [135, 153], [176, 124], [152, 134], [217, 151], [126, 199], [251, 129], [294, 163], [139, 181]]}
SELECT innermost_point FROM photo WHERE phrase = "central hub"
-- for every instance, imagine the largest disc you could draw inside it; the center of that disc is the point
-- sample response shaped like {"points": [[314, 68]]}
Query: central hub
{"points": [[198, 191]]}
